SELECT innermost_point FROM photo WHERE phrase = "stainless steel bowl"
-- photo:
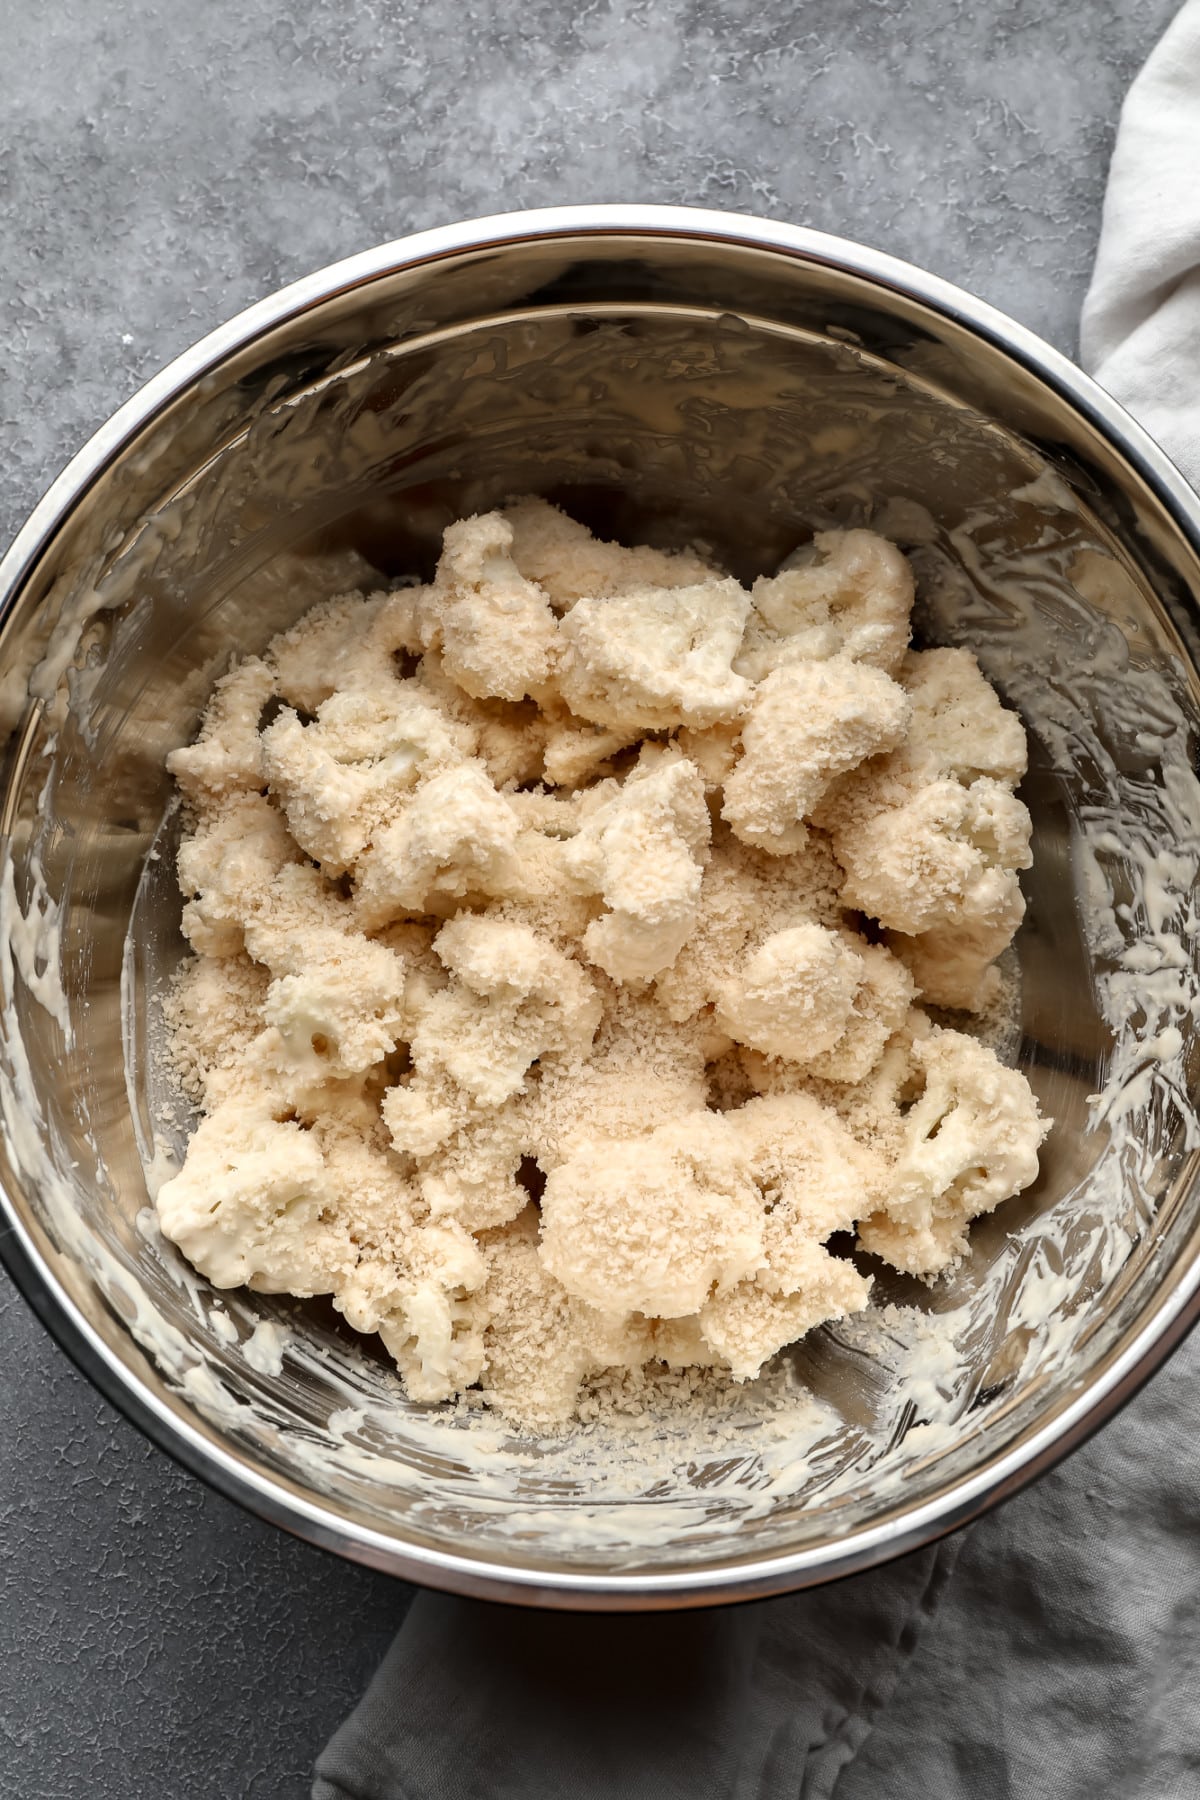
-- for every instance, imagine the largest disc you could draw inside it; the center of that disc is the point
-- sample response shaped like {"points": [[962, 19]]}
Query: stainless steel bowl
{"points": [[670, 375]]}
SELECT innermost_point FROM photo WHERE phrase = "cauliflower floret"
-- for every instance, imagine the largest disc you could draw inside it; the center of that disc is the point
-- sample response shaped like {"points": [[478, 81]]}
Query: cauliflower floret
{"points": [[295, 899], [569, 564], [473, 1172], [745, 896], [512, 740], [814, 1174], [422, 1309], [809, 723], [337, 1000], [794, 994], [715, 752], [653, 1224], [456, 836], [475, 1161], [577, 751], [642, 1071], [872, 1108], [253, 1204], [746, 1326], [959, 726], [816, 1180], [970, 1141], [436, 1342], [954, 965], [225, 869], [410, 1282], [848, 593], [640, 847], [655, 658], [342, 777], [931, 836], [227, 755], [817, 997], [880, 1007], [349, 642], [495, 629], [540, 1341], [513, 998], [960, 729], [344, 1010], [214, 1011], [947, 856]]}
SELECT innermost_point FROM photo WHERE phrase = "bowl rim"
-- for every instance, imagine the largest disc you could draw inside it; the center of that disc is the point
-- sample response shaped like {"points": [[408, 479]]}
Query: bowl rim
{"points": [[1120, 1374]]}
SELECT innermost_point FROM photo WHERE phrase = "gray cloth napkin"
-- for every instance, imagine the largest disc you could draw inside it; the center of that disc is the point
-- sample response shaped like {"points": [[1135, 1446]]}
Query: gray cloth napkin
{"points": [[1053, 1653], [479, 1702]]}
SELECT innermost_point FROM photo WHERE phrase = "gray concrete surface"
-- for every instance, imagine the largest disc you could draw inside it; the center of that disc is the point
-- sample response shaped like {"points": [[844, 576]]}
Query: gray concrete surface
{"points": [[161, 165]]}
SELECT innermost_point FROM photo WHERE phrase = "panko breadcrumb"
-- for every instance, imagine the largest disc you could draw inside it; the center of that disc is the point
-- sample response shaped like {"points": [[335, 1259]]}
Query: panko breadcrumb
{"points": [[560, 930]]}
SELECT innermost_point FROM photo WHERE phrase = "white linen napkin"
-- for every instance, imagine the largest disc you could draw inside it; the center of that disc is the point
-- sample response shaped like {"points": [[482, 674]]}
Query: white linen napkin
{"points": [[1141, 319], [1063, 1660]]}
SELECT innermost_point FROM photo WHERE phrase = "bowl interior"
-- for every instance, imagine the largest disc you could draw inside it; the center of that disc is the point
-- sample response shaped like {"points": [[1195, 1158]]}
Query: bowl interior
{"points": [[668, 392]]}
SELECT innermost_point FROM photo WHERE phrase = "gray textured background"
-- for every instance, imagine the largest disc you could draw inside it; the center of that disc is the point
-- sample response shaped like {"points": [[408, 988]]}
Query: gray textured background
{"points": [[162, 165]]}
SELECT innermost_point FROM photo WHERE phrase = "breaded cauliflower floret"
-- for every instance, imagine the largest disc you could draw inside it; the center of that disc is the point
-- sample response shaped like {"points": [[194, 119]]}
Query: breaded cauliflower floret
{"points": [[336, 1000], [960, 727], [472, 1173], [342, 777], [955, 965], [456, 836], [970, 1141], [419, 1303], [931, 836], [793, 995], [214, 1010], [653, 1224], [809, 723], [226, 757], [816, 1179], [640, 848], [569, 564], [225, 869], [539, 1340], [495, 629], [715, 751], [407, 1280], [349, 642], [343, 1010], [814, 1175], [848, 593], [295, 900], [872, 1108], [655, 658], [947, 855], [512, 739], [746, 896], [254, 1205], [643, 1070], [512, 999], [746, 1326], [817, 997], [577, 751]]}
